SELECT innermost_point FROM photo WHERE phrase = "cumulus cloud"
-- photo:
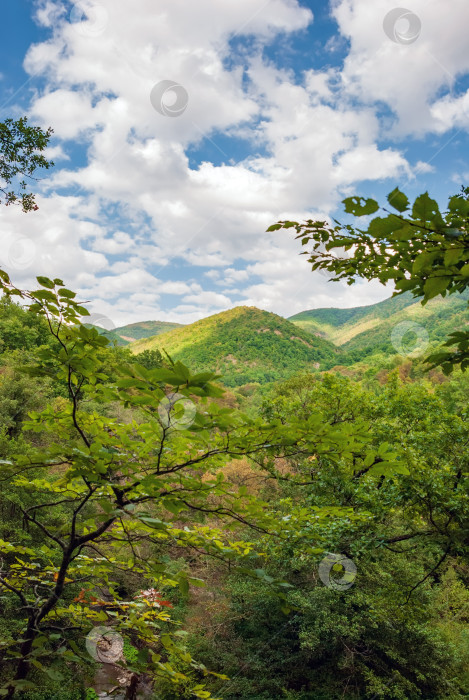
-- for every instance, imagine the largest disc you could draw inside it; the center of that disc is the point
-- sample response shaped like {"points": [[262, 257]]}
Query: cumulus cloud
{"points": [[140, 205], [407, 75]]}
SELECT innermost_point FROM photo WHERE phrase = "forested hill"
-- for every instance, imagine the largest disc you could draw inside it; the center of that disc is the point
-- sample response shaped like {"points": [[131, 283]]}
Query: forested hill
{"points": [[145, 329], [366, 330], [123, 335], [245, 345], [339, 325]]}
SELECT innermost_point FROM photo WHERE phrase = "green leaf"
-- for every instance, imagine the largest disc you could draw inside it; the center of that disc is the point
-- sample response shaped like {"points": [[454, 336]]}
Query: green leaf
{"points": [[398, 200], [452, 256], [173, 506], [131, 384], [82, 310], [359, 206], [426, 210], [435, 286], [53, 674], [184, 586], [424, 261], [381, 227], [182, 372], [459, 205], [197, 582], [75, 647], [388, 469], [45, 296], [154, 522], [67, 293], [202, 378], [142, 656], [46, 282]]}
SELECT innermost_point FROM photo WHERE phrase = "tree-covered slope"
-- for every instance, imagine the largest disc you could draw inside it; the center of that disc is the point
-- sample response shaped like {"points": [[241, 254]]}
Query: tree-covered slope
{"points": [[136, 331], [367, 330], [244, 344], [145, 329], [340, 325]]}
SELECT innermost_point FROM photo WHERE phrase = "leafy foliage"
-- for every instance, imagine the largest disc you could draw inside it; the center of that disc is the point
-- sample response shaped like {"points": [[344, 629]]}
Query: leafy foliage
{"points": [[98, 482], [419, 248], [136, 496], [21, 155], [393, 633]]}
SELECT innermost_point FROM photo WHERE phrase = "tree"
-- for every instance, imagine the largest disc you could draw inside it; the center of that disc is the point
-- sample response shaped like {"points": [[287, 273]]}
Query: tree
{"points": [[421, 249], [389, 634], [20, 329], [21, 155], [108, 495], [150, 359]]}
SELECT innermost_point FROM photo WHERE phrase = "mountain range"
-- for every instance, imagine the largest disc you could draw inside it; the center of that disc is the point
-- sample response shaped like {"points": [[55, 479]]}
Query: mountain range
{"points": [[135, 331], [246, 344], [368, 330]]}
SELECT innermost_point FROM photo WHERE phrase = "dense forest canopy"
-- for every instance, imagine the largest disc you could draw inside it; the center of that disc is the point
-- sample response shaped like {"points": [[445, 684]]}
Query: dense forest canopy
{"points": [[302, 534]]}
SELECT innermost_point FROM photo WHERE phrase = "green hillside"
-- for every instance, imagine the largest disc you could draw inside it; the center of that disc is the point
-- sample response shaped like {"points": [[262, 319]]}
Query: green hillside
{"points": [[144, 329], [245, 345], [111, 335], [367, 330], [339, 325], [136, 331]]}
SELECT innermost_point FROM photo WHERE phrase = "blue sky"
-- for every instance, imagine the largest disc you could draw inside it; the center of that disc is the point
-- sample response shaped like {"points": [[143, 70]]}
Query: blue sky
{"points": [[286, 107]]}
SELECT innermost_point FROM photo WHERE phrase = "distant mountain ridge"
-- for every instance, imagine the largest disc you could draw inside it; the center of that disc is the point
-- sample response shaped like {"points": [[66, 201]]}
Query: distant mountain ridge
{"points": [[124, 335], [244, 345], [145, 329], [337, 324], [365, 330]]}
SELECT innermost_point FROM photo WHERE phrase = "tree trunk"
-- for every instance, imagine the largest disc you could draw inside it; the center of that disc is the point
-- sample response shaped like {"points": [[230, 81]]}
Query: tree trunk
{"points": [[24, 665], [131, 693]]}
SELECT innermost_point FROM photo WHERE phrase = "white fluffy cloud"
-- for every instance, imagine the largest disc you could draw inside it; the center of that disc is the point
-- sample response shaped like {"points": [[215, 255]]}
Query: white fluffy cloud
{"points": [[407, 77], [138, 207]]}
